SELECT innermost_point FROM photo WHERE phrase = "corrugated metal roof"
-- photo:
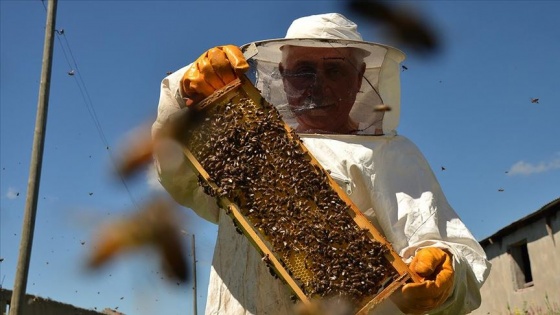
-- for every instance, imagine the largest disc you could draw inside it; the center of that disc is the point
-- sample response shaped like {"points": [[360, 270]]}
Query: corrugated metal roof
{"points": [[547, 210]]}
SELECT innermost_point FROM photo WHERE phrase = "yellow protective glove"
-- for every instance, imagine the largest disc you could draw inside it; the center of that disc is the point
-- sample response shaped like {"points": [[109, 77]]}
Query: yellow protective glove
{"points": [[435, 266], [211, 71]]}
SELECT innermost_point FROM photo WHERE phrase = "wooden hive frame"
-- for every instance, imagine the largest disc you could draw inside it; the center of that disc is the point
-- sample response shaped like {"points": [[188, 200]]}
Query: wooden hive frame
{"points": [[243, 88]]}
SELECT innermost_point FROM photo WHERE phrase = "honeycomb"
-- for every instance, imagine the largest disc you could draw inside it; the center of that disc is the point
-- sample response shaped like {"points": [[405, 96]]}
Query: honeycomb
{"points": [[253, 160]]}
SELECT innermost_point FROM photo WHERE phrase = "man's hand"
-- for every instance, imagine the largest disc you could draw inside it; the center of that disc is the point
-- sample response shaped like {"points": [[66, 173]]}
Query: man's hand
{"points": [[211, 71], [435, 266]]}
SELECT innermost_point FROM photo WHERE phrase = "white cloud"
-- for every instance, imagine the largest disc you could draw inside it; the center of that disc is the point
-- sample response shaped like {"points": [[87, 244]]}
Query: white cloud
{"points": [[525, 168], [12, 193]]}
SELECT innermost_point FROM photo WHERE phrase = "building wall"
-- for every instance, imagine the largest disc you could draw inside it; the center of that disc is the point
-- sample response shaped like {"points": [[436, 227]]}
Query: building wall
{"points": [[34, 305], [499, 293]]}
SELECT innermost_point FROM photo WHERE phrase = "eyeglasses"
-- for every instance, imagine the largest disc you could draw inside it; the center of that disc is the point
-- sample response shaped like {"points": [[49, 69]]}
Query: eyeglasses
{"points": [[299, 81], [307, 76]]}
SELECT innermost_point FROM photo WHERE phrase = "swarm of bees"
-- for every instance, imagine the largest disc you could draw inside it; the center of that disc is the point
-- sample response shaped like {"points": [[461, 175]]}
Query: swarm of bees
{"points": [[254, 161]]}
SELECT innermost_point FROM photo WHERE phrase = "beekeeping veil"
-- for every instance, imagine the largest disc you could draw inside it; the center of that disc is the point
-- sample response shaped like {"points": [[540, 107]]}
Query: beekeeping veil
{"points": [[381, 82]]}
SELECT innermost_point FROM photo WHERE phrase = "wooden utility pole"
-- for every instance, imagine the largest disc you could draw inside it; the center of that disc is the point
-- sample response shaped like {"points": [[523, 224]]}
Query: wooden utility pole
{"points": [[194, 277], [20, 281]]}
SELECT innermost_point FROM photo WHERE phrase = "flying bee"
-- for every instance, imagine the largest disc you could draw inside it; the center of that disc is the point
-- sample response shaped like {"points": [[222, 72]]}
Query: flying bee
{"points": [[141, 146], [156, 226], [404, 25], [382, 108], [327, 306], [138, 152]]}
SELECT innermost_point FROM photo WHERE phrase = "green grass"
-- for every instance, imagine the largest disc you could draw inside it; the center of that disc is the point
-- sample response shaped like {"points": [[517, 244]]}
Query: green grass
{"points": [[549, 309]]}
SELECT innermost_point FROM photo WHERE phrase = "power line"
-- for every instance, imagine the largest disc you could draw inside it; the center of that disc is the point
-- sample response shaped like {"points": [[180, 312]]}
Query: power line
{"points": [[75, 72], [83, 89]]}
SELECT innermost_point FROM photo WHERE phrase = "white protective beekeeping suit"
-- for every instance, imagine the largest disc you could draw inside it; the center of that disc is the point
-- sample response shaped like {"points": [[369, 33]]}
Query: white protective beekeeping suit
{"points": [[385, 175]]}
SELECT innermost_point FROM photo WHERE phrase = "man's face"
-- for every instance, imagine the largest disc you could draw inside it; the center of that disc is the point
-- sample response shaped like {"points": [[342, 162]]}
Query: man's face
{"points": [[321, 86]]}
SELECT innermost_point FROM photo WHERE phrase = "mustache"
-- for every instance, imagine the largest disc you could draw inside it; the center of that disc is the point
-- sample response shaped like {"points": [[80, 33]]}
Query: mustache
{"points": [[309, 104]]}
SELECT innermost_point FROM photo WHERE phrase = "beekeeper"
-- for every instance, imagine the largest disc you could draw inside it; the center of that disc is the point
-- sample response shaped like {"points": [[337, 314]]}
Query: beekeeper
{"points": [[327, 83]]}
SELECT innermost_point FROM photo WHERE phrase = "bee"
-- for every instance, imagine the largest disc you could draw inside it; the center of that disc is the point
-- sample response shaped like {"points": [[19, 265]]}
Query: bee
{"points": [[404, 25], [141, 146], [534, 100], [328, 306], [137, 154], [156, 226], [382, 108], [266, 259]]}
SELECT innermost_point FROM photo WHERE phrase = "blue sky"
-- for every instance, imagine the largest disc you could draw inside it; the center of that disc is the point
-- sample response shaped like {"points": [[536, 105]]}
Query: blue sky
{"points": [[468, 108]]}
